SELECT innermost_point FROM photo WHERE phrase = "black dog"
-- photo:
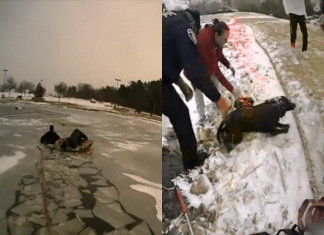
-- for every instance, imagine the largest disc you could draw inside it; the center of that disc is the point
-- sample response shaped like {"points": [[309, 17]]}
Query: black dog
{"points": [[261, 118]]}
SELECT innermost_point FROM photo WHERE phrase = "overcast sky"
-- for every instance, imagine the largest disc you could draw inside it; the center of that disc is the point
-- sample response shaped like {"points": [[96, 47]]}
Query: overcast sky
{"points": [[92, 42]]}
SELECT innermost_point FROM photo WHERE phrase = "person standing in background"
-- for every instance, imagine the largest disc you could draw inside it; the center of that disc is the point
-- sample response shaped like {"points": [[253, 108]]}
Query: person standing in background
{"points": [[297, 12]]}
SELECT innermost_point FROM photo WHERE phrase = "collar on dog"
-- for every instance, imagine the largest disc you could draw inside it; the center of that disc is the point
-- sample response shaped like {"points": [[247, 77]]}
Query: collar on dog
{"points": [[246, 105]]}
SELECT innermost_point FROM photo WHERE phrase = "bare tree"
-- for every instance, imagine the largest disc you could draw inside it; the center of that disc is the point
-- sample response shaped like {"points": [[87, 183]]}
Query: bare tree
{"points": [[60, 89], [30, 87], [23, 86], [20, 88], [11, 84]]}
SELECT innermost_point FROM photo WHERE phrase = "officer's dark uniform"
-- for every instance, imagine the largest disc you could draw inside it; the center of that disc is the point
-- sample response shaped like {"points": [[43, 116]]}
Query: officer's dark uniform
{"points": [[179, 52]]}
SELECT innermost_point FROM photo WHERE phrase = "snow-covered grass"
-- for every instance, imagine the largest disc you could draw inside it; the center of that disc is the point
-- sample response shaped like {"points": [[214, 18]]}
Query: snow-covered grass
{"points": [[260, 185]]}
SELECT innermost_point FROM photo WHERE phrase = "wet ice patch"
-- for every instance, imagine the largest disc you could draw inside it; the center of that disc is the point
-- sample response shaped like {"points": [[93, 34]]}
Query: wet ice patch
{"points": [[153, 189], [16, 146], [156, 193], [109, 135], [106, 155], [129, 145], [115, 150], [6, 162], [21, 122], [143, 181]]}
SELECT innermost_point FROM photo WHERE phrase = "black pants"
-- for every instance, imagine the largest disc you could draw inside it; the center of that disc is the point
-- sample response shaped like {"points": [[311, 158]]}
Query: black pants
{"points": [[176, 110], [301, 20]]}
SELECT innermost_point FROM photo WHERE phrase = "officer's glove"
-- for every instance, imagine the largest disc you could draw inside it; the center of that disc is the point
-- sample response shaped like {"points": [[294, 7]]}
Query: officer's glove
{"points": [[224, 106]]}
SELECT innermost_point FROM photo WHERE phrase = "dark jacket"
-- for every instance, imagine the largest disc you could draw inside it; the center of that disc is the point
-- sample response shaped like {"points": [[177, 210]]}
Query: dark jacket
{"points": [[50, 137], [179, 52]]}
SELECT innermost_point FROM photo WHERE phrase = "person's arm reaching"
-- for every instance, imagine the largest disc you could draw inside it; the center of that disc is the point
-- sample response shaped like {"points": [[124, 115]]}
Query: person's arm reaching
{"points": [[196, 72]]}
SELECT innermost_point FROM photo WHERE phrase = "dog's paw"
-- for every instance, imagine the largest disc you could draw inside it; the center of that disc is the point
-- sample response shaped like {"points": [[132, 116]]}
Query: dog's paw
{"points": [[285, 128]]}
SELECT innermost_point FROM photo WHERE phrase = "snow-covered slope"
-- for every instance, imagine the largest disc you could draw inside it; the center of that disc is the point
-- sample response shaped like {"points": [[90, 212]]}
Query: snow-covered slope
{"points": [[260, 185]]}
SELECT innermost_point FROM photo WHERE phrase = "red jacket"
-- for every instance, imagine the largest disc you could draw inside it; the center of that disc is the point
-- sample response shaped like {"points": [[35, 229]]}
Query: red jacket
{"points": [[210, 55]]}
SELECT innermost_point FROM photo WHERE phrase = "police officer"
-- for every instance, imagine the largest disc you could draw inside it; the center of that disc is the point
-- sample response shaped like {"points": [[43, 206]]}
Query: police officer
{"points": [[179, 29]]}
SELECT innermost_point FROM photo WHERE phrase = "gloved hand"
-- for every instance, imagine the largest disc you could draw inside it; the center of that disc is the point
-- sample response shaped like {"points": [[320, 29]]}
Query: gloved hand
{"points": [[232, 69], [224, 106], [185, 88]]}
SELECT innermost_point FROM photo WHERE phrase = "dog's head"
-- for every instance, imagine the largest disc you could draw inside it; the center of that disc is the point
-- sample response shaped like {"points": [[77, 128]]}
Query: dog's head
{"points": [[287, 105], [283, 104], [229, 132]]}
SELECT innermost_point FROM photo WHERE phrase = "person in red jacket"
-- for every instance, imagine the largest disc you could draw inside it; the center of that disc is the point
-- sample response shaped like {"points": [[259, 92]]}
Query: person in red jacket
{"points": [[210, 42]]}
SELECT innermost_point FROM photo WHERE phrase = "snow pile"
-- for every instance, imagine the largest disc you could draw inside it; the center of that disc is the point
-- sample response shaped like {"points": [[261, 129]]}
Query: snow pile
{"points": [[176, 5]]}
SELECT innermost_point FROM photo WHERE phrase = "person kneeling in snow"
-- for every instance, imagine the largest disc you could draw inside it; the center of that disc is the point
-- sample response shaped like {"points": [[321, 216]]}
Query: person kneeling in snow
{"points": [[50, 137]]}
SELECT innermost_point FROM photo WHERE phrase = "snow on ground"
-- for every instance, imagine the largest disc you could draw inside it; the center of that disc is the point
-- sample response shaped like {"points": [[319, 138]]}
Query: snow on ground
{"points": [[81, 102], [262, 183], [102, 106], [309, 114]]}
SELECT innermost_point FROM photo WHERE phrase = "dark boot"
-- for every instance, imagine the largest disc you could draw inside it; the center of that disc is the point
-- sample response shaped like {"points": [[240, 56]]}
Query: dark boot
{"points": [[198, 161]]}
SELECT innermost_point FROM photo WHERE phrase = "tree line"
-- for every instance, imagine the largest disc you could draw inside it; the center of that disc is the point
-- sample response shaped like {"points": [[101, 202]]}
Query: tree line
{"points": [[140, 96], [23, 87]]}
